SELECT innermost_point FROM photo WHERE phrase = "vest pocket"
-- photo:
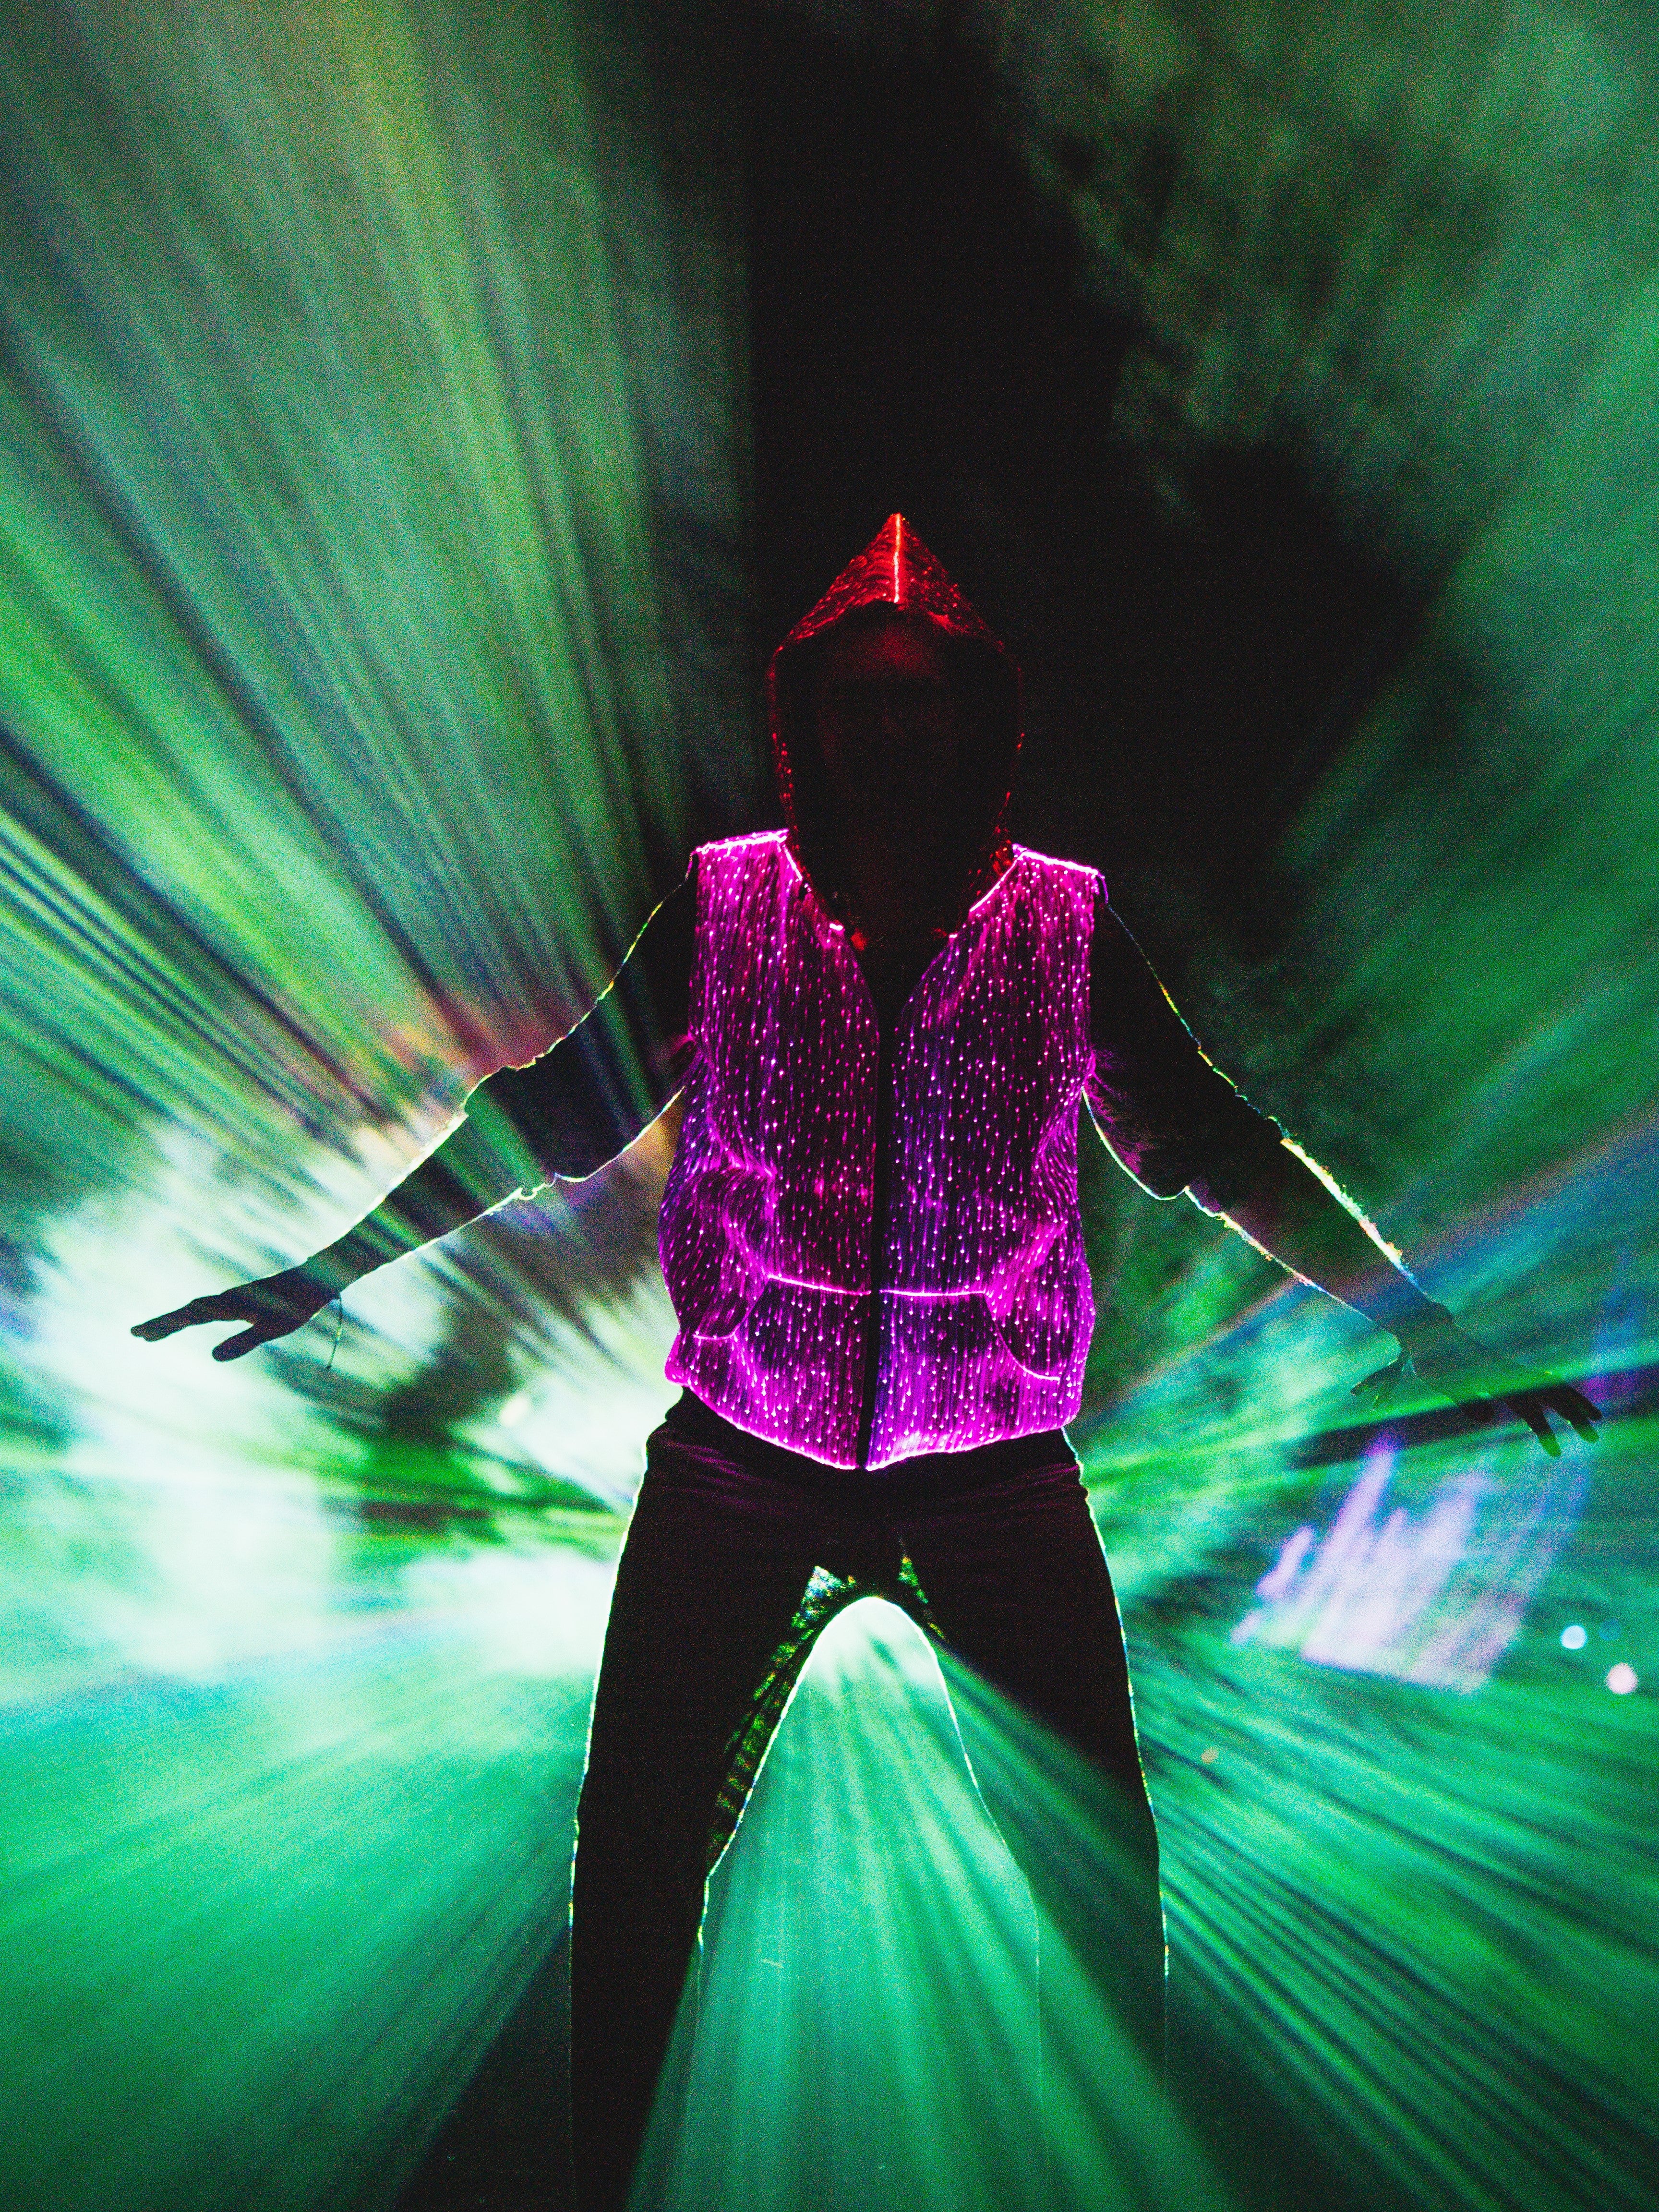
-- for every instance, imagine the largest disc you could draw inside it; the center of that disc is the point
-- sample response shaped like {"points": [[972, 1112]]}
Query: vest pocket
{"points": [[1042, 1343], [726, 1311]]}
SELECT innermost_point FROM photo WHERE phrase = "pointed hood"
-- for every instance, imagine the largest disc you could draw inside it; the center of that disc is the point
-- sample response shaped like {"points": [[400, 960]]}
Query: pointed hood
{"points": [[895, 573]]}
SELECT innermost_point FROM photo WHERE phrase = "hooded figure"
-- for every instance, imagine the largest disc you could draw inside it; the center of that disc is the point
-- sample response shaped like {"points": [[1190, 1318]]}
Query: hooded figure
{"points": [[897, 577], [884, 1018], [870, 1235]]}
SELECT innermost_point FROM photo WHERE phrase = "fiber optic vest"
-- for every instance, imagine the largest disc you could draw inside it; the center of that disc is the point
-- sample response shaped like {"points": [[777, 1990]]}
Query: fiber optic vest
{"points": [[872, 1255]]}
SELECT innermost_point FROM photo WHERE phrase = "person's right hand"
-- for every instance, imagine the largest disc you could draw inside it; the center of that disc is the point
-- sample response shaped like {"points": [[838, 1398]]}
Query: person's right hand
{"points": [[1479, 1382], [274, 1306]]}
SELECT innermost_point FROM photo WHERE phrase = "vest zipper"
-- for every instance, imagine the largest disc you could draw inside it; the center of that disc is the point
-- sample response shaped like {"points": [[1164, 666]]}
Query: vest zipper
{"points": [[878, 1223]]}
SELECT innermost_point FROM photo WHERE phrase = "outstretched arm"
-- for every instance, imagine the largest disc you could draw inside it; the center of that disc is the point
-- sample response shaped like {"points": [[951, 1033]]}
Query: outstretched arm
{"points": [[1176, 1123], [1291, 1212], [563, 1115]]}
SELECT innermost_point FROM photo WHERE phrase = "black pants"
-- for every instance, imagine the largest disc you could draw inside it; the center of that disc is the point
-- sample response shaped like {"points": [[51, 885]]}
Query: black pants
{"points": [[994, 1550]]}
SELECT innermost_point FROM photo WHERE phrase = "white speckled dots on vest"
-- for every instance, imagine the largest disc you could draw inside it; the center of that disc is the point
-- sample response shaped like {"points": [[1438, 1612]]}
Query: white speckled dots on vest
{"points": [[979, 1297]]}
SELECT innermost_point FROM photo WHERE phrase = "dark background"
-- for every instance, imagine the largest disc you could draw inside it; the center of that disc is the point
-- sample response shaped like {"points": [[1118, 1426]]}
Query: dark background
{"points": [[928, 335]]}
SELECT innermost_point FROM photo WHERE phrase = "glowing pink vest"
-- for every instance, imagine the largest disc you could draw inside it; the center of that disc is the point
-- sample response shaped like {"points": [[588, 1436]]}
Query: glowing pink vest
{"points": [[965, 1315]]}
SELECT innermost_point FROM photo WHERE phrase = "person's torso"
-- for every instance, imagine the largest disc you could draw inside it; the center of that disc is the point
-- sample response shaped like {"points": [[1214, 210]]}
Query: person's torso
{"points": [[871, 1234]]}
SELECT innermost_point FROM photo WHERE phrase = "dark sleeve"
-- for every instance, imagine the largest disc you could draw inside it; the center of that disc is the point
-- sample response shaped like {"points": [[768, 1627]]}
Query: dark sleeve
{"points": [[587, 1098], [1169, 1116]]}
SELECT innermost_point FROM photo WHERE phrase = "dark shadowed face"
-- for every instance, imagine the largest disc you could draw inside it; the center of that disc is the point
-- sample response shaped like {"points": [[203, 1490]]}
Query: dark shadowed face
{"points": [[888, 723]]}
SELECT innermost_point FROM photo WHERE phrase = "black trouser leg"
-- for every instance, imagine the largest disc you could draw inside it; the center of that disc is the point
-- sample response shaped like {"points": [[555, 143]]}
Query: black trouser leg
{"points": [[1018, 1588], [706, 1588]]}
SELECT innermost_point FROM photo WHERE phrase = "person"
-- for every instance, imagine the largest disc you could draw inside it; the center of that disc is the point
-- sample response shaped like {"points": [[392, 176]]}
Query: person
{"points": [[885, 1018]]}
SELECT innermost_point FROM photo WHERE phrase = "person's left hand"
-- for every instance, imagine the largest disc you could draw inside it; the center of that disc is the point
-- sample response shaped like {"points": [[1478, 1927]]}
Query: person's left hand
{"points": [[1479, 1382]]}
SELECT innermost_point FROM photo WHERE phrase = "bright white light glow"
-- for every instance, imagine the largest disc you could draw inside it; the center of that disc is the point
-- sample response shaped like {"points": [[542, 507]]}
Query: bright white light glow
{"points": [[1436, 1592]]}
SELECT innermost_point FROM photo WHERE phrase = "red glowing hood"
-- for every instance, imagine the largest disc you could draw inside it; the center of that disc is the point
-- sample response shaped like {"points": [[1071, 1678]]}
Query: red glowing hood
{"points": [[896, 570]]}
